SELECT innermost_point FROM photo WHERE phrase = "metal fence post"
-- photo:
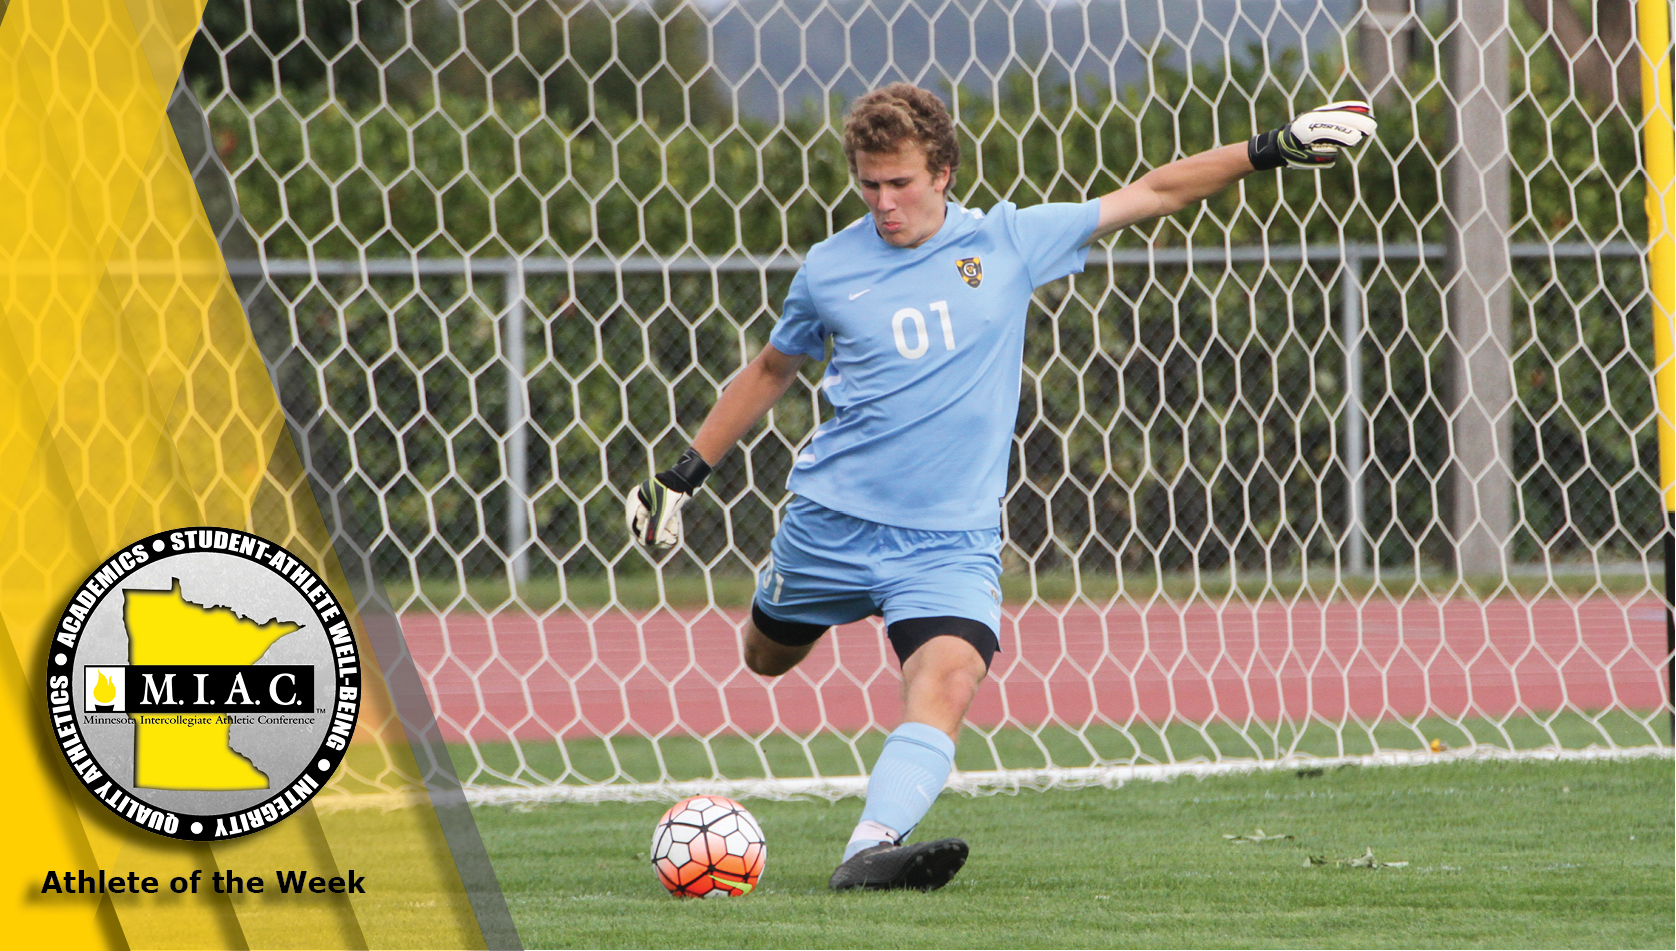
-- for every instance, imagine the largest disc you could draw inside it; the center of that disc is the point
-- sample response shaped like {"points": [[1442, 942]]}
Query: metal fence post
{"points": [[517, 426], [1480, 289], [1355, 445]]}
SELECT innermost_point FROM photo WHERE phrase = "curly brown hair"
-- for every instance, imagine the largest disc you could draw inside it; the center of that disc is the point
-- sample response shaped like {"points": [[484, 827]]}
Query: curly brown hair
{"points": [[884, 119]]}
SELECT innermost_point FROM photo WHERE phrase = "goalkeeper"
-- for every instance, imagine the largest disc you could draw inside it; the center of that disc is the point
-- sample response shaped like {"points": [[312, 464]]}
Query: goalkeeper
{"points": [[896, 506]]}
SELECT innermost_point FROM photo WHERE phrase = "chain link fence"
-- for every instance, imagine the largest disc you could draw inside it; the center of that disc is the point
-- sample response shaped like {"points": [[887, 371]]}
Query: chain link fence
{"points": [[1180, 411]]}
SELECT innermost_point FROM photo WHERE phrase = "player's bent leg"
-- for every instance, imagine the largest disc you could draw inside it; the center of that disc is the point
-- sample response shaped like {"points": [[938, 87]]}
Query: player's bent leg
{"points": [[773, 646], [943, 661]]}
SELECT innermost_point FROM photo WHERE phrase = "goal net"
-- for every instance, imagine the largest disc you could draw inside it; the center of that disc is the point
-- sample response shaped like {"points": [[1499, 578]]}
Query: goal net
{"points": [[1338, 464]]}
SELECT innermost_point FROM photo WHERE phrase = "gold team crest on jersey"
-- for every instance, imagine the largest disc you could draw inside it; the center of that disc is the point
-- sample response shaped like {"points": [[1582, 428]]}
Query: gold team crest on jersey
{"points": [[971, 270]]}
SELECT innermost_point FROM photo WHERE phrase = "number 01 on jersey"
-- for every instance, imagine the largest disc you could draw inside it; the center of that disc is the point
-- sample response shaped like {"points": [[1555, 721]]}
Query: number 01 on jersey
{"points": [[910, 318]]}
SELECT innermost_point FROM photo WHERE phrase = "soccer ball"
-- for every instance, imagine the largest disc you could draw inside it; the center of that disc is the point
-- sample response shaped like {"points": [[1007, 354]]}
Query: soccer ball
{"points": [[708, 847]]}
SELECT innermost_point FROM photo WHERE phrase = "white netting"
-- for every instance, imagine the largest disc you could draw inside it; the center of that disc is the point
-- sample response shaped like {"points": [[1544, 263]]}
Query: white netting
{"points": [[1337, 464]]}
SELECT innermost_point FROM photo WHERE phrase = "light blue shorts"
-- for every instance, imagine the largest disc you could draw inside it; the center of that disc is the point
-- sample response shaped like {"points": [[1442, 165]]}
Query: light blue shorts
{"points": [[830, 568]]}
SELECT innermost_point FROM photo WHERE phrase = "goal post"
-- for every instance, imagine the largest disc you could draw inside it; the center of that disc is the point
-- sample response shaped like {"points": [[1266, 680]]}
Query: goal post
{"points": [[504, 255]]}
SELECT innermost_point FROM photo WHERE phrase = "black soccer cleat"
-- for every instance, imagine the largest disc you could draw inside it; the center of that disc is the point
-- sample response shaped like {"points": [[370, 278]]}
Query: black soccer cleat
{"points": [[924, 866]]}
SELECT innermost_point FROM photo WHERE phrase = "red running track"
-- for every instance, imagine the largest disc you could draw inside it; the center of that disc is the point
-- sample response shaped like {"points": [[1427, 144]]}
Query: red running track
{"points": [[566, 674]]}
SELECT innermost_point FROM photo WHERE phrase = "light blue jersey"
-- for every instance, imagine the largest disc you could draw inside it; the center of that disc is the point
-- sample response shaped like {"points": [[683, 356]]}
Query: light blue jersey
{"points": [[927, 348]]}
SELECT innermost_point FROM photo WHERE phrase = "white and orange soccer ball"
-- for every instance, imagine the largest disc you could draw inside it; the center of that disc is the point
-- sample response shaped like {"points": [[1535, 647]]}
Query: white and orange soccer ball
{"points": [[708, 847]]}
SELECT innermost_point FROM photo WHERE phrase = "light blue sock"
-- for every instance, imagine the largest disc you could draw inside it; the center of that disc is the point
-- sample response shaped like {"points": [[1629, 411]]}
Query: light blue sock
{"points": [[911, 771]]}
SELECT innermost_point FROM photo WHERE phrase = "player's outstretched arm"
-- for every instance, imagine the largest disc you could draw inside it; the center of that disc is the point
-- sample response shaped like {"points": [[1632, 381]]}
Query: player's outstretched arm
{"points": [[1312, 140], [654, 507], [1168, 189]]}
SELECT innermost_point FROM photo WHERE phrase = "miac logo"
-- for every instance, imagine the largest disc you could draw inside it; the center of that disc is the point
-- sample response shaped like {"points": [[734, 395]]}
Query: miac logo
{"points": [[203, 683], [151, 688], [971, 270]]}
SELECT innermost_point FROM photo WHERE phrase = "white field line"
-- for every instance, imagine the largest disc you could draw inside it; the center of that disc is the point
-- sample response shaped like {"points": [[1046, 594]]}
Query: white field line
{"points": [[981, 783]]}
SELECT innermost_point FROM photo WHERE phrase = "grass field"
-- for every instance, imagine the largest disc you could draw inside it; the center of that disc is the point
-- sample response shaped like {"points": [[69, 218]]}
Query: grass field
{"points": [[1570, 854]]}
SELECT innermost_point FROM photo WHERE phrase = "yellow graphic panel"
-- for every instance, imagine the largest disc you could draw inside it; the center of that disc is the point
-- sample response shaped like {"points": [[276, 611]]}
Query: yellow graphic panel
{"points": [[133, 398], [1659, 133]]}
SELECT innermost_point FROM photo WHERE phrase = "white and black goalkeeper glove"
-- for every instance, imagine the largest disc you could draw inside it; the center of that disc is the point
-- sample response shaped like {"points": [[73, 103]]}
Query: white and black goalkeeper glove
{"points": [[1313, 140], [654, 507]]}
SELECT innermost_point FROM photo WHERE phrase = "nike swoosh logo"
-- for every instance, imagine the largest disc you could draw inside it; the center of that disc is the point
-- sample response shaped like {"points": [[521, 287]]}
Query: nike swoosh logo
{"points": [[859, 293], [744, 887]]}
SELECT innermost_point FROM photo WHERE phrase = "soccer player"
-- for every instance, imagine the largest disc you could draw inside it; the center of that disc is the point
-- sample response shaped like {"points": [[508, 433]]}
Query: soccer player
{"points": [[896, 506]]}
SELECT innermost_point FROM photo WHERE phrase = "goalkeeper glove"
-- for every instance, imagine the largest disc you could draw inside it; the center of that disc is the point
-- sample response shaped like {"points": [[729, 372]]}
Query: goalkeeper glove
{"points": [[1313, 139], [654, 507]]}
